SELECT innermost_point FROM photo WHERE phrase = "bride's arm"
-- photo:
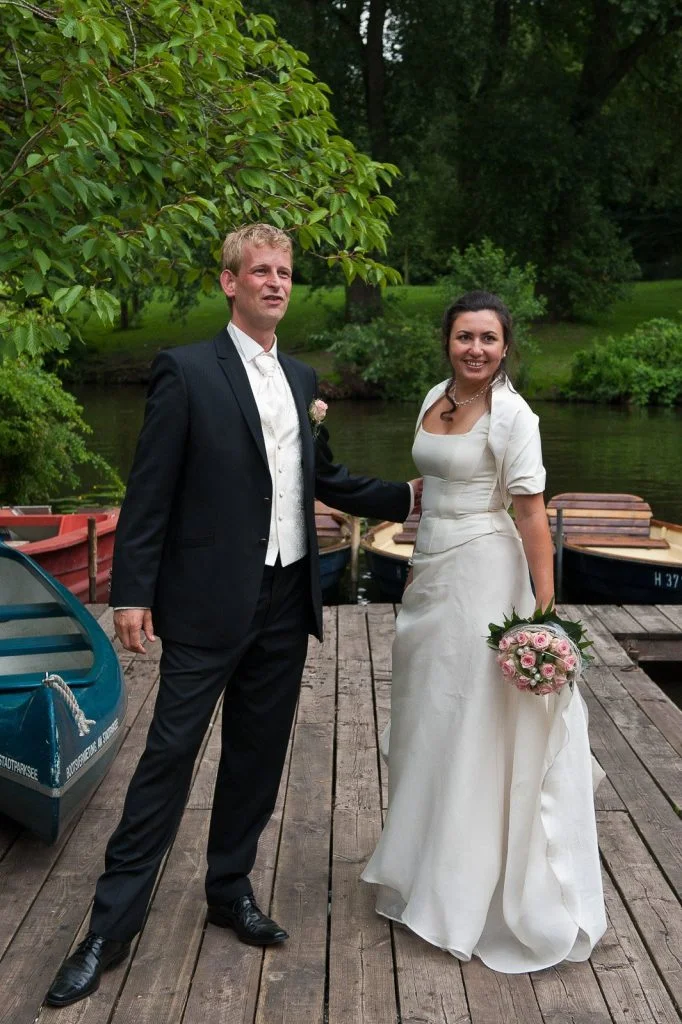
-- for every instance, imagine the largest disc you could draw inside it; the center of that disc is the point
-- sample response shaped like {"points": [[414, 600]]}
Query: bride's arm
{"points": [[531, 520]]}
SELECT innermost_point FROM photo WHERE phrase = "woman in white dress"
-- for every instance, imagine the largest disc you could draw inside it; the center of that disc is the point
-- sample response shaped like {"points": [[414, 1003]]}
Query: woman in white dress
{"points": [[489, 846]]}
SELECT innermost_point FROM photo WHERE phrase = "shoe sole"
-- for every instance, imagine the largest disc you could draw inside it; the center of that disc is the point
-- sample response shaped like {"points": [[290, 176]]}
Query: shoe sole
{"points": [[214, 917], [114, 962]]}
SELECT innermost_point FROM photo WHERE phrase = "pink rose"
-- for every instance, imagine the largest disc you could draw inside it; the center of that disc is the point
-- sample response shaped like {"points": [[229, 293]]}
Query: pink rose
{"points": [[522, 683], [540, 640], [528, 660], [522, 638], [508, 668], [504, 644], [570, 662], [559, 681], [544, 688], [547, 671], [563, 648], [318, 410]]}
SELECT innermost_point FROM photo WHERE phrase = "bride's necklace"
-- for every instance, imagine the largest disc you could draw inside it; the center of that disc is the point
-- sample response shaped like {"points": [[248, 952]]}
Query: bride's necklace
{"points": [[458, 405]]}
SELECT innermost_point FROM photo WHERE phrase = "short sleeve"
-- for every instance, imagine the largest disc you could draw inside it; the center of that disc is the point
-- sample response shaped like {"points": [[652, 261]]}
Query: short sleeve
{"points": [[522, 467]]}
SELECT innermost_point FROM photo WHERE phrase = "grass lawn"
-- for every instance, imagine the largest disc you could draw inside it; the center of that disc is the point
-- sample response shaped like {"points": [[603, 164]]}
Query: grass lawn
{"points": [[311, 311]]}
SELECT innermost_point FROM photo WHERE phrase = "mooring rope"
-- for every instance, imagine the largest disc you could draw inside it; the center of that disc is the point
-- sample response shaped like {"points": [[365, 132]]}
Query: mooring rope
{"points": [[57, 683]]}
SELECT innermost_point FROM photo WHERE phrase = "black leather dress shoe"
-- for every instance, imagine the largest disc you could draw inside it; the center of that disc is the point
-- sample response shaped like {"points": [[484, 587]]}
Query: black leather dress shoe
{"points": [[80, 974], [249, 922]]}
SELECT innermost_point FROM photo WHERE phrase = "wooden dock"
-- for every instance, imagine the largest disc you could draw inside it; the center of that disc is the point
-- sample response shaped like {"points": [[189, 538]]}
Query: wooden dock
{"points": [[343, 964]]}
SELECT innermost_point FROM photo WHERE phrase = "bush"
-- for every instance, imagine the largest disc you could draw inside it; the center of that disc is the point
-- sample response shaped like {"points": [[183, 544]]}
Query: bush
{"points": [[644, 367], [42, 435], [486, 267], [398, 358]]}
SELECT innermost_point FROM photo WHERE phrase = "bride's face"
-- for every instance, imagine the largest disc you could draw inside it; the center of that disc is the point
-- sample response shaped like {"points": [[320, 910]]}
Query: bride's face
{"points": [[476, 347]]}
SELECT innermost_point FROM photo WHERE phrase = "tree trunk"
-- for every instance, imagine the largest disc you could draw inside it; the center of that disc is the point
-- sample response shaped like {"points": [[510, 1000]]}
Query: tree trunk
{"points": [[124, 322], [363, 302]]}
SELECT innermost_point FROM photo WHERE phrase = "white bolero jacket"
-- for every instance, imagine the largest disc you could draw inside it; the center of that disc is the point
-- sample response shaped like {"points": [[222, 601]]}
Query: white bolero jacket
{"points": [[513, 438]]}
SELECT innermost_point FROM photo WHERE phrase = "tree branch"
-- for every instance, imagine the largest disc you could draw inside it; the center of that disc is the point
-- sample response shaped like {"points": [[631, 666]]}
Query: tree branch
{"points": [[25, 6]]}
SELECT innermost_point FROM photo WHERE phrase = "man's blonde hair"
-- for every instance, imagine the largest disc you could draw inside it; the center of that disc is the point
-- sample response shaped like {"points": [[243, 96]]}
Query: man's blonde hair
{"points": [[252, 234]]}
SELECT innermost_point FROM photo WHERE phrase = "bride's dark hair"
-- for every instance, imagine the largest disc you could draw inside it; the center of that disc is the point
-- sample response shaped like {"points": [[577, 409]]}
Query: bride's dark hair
{"points": [[475, 302]]}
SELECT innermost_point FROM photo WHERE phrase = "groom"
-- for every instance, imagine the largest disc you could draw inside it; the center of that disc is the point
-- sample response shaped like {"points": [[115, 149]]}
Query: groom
{"points": [[216, 551]]}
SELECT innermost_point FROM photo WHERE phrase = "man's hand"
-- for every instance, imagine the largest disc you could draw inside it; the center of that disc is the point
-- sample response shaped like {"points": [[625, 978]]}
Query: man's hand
{"points": [[129, 623], [417, 487]]}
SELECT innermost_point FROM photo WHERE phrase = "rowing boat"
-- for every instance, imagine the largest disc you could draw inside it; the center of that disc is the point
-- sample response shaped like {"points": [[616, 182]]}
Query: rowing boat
{"points": [[62, 699]]}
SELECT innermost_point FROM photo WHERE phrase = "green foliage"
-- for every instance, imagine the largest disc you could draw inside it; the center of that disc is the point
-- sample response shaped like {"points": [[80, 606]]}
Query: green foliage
{"points": [[487, 267], [42, 435], [644, 367], [398, 358], [132, 134]]}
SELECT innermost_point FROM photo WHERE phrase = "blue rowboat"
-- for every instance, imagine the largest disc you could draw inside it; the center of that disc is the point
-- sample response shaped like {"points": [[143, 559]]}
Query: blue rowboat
{"points": [[62, 699], [334, 542], [388, 548]]}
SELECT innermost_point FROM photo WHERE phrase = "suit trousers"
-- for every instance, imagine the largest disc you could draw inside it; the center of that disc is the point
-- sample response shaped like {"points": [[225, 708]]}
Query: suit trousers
{"points": [[260, 679]]}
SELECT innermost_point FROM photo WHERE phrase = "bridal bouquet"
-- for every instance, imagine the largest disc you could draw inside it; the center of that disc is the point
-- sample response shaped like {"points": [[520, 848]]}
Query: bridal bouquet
{"points": [[541, 654]]}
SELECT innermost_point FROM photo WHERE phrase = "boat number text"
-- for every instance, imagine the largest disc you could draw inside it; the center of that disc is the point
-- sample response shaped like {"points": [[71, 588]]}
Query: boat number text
{"points": [[669, 580], [91, 749]]}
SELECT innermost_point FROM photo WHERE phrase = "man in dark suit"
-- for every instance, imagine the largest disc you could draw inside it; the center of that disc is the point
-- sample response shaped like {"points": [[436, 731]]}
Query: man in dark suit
{"points": [[216, 550]]}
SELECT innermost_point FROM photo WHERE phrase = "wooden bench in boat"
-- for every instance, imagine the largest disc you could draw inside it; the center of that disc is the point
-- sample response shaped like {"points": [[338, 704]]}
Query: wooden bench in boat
{"points": [[408, 534], [604, 520]]}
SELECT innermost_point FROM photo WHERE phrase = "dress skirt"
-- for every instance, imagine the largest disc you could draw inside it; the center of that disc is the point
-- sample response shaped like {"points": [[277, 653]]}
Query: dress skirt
{"points": [[489, 846]]}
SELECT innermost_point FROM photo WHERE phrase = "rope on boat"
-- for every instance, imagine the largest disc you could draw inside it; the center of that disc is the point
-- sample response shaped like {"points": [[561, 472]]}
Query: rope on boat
{"points": [[56, 682]]}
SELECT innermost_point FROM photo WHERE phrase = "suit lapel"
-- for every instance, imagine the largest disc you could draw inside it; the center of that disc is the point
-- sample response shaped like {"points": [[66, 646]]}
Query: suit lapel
{"points": [[233, 368]]}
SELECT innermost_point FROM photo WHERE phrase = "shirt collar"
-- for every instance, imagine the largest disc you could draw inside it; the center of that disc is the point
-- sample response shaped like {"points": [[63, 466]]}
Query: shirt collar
{"points": [[247, 347]]}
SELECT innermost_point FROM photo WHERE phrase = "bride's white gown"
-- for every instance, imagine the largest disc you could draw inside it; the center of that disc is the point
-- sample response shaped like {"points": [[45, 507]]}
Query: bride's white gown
{"points": [[489, 845]]}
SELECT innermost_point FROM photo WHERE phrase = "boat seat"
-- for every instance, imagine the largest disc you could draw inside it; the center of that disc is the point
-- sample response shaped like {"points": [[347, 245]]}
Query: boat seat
{"points": [[611, 520], [408, 534], [55, 644], [615, 540], [37, 610]]}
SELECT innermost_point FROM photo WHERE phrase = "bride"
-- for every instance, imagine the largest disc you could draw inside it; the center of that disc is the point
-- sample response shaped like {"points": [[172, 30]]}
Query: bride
{"points": [[489, 846]]}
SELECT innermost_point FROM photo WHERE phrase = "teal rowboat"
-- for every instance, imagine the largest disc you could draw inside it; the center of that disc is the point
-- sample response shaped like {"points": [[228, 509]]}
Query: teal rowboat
{"points": [[62, 699]]}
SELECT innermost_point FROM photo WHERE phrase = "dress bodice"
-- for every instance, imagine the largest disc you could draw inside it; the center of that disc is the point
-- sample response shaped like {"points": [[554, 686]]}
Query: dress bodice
{"points": [[462, 497]]}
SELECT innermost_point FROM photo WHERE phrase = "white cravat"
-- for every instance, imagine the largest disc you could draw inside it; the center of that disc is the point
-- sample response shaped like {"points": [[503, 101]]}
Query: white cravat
{"points": [[271, 396]]}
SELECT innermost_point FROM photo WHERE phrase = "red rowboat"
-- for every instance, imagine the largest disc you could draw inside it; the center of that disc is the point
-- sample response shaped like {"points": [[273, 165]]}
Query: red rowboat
{"points": [[59, 543]]}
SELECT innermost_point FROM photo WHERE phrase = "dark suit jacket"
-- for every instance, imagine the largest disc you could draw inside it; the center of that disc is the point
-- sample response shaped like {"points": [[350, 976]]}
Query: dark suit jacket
{"points": [[193, 529]]}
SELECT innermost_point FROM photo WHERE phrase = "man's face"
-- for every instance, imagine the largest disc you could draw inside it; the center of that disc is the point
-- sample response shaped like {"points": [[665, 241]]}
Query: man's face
{"points": [[259, 291]]}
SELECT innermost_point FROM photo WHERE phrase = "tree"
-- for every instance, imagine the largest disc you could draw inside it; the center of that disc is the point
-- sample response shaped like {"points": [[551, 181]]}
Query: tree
{"points": [[132, 137], [131, 134]]}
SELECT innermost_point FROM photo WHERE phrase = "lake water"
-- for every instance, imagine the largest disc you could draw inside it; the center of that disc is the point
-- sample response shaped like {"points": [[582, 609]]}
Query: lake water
{"points": [[586, 447]]}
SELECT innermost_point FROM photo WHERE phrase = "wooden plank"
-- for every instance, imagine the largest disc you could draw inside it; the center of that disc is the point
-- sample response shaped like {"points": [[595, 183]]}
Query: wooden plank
{"points": [[653, 816], [665, 715], [647, 896], [653, 750], [293, 980], [570, 994], [113, 788], [672, 612], [617, 619], [9, 831], [361, 983], [606, 798], [653, 621], [628, 979], [495, 998], [23, 872], [53, 919], [652, 649], [227, 976], [430, 984], [608, 649], [158, 980]]}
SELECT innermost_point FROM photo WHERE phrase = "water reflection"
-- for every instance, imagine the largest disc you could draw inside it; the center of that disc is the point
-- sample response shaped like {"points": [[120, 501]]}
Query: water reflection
{"points": [[586, 447]]}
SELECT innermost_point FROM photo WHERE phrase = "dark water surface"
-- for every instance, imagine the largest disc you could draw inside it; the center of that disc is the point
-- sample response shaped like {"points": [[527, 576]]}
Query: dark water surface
{"points": [[586, 447]]}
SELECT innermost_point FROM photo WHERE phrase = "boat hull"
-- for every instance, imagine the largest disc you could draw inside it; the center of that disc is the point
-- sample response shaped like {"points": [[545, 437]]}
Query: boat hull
{"points": [[387, 561], [50, 762], [59, 543], [598, 577]]}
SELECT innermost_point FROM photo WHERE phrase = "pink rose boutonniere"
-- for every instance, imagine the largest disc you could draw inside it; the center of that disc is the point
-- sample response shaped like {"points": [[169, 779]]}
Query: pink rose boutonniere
{"points": [[317, 410]]}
